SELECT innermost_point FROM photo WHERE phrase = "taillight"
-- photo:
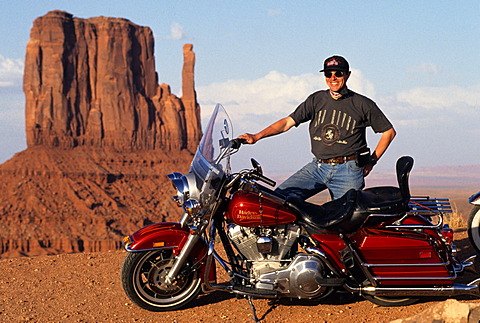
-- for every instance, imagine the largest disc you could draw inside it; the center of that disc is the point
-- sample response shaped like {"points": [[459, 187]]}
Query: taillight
{"points": [[447, 233]]}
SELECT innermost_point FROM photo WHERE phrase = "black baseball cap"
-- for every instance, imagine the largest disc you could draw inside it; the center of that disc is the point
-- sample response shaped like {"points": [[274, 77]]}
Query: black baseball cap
{"points": [[336, 63]]}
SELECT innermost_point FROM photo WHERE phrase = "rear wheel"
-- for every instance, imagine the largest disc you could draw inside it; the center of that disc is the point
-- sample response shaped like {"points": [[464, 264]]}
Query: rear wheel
{"points": [[390, 301], [143, 279], [474, 227]]}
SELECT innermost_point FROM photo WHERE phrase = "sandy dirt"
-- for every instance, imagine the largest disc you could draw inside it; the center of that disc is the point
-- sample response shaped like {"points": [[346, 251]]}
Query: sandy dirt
{"points": [[86, 287]]}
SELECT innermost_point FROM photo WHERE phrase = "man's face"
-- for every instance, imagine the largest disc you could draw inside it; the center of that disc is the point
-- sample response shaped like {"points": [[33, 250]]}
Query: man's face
{"points": [[336, 79]]}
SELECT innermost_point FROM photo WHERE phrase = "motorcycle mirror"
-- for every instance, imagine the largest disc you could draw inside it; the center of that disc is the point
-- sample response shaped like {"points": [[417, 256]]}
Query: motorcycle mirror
{"points": [[256, 165]]}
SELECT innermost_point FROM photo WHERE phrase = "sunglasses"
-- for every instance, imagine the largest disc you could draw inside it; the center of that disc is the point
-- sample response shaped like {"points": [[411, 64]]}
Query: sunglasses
{"points": [[328, 74]]}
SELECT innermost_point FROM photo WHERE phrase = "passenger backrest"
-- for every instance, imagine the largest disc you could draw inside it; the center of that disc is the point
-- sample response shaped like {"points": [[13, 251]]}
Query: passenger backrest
{"points": [[404, 166]]}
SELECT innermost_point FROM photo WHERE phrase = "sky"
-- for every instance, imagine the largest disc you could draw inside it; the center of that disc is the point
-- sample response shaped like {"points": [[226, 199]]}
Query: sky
{"points": [[418, 60]]}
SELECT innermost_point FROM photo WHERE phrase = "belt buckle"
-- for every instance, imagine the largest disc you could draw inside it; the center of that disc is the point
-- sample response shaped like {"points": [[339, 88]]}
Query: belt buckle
{"points": [[333, 161]]}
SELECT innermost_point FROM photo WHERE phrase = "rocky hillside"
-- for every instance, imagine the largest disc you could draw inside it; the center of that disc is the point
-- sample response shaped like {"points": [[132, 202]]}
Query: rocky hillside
{"points": [[101, 133]]}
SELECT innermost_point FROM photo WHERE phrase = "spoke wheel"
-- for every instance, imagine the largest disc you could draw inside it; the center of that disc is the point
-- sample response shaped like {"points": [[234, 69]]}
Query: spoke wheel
{"points": [[474, 228], [390, 301], [143, 279]]}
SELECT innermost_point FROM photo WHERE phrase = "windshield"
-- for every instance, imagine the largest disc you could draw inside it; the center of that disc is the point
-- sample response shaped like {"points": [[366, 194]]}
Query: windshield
{"points": [[211, 160]]}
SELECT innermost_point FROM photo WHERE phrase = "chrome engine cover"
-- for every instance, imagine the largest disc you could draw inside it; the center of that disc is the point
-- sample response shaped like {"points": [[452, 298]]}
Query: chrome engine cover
{"points": [[297, 279], [272, 271], [245, 239]]}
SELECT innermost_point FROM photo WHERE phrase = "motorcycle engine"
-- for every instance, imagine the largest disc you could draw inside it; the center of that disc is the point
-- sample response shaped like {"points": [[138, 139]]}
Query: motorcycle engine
{"points": [[264, 243], [272, 267]]}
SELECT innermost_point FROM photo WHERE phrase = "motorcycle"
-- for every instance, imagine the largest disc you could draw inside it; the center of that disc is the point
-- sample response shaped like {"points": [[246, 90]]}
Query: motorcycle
{"points": [[379, 242], [473, 224]]}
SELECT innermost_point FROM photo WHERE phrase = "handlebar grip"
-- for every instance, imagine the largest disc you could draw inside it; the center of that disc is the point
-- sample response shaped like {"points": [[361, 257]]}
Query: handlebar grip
{"points": [[237, 142], [268, 181], [264, 179]]}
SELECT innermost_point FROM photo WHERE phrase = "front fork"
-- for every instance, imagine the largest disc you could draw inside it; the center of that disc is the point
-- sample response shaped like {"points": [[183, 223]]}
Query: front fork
{"points": [[195, 234]]}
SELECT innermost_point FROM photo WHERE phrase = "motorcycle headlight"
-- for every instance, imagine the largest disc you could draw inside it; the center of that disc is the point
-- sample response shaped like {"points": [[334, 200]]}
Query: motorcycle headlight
{"points": [[185, 185]]}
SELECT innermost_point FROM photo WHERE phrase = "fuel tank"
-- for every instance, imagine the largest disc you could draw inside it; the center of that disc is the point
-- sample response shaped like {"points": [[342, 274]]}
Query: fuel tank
{"points": [[250, 209]]}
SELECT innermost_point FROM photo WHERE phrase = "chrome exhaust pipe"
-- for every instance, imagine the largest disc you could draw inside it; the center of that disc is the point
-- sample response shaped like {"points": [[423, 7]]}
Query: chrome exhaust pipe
{"points": [[455, 289]]}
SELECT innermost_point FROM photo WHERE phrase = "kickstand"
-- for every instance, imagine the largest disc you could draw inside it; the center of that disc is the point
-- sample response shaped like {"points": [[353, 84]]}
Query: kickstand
{"points": [[254, 311]]}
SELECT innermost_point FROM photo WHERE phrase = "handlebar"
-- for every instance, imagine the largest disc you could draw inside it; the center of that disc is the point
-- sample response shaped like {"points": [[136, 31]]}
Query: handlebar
{"points": [[237, 142], [264, 179]]}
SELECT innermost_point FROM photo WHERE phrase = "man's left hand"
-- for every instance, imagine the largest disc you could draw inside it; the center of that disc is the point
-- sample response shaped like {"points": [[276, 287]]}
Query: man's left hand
{"points": [[367, 169]]}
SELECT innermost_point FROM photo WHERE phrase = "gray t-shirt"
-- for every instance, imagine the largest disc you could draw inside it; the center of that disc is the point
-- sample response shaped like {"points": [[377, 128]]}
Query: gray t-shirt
{"points": [[338, 127]]}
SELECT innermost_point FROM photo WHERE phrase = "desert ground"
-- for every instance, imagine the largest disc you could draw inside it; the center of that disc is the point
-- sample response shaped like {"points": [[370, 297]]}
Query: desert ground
{"points": [[86, 287]]}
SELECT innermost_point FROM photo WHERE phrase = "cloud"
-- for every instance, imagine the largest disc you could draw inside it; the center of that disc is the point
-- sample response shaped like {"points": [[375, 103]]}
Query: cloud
{"points": [[177, 32], [425, 118], [435, 98], [11, 71], [273, 94], [254, 104]]}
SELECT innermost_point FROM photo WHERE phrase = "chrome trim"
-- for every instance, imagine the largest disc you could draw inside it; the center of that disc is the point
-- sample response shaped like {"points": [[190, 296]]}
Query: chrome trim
{"points": [[212, 254], [415, 278], [414, 226], [127, 248], [469, 261], [474, 282], [453, 290], [395, 215], [181, 258], [365, 270], [406, 265], [184, 219], [461, 265]]}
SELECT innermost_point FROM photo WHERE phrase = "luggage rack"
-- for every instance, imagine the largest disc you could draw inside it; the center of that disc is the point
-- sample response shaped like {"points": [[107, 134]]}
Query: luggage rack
{"points": [[425, 205]]}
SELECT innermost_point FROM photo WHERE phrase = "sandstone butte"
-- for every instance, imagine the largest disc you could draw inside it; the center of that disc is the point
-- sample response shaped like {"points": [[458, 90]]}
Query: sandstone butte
{"points": [[102, 135]]}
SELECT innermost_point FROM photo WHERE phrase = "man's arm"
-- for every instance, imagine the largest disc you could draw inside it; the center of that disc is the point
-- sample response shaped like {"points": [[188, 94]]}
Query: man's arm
{"points": [[382, 146], [276, 128]]}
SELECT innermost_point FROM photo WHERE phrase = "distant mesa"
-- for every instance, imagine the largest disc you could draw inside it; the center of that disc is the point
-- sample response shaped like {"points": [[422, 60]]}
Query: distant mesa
{"points": [[101, 136], [92, 82]]}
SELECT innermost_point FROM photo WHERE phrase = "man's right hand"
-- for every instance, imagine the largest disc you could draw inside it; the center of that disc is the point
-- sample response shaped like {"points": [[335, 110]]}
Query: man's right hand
{"points": [[250, 139]]}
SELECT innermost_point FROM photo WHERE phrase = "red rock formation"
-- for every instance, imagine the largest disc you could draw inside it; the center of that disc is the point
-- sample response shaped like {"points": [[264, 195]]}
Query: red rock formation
{"points": [[92, 82], [189, 97], [101, 135]]}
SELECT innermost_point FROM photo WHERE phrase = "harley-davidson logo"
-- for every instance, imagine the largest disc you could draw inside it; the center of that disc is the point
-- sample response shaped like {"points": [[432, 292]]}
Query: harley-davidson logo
{"points": [[247, 215]]}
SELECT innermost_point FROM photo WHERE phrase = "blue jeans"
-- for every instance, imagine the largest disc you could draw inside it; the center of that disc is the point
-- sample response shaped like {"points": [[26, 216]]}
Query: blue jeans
{"points": [[316, 176]]}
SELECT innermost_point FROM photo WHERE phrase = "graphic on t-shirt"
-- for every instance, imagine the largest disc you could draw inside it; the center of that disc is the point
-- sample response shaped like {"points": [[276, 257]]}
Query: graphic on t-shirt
{"points": [[330, 133]]}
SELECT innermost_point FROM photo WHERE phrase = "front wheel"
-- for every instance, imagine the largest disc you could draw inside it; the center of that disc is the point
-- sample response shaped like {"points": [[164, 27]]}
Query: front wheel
{"points": [[390, 301], [143, 279], [474, 227]]}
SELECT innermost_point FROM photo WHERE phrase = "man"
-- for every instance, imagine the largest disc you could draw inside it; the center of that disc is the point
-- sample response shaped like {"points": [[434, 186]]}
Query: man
{"points": [[338, 120]]}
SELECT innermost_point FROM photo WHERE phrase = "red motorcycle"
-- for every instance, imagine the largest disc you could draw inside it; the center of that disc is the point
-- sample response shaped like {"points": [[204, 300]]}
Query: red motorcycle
{"points": [[378, 242]]}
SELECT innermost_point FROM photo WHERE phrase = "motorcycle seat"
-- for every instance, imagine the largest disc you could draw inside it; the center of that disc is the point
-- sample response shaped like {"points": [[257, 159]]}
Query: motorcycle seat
{"points": [[334, 216], [382, 199]]}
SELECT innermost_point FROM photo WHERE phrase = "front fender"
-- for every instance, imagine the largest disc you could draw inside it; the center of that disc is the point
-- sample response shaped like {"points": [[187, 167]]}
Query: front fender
{"points": [[164, 235], [169, 235]]}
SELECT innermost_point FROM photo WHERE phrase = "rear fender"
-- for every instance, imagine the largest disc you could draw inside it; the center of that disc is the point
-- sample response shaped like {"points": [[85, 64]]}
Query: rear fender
{"points": [[169, 235], [475, 199]]}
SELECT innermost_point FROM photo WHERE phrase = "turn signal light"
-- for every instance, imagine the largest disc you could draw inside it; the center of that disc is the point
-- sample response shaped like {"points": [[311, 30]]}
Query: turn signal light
{"points": [[159, 244], [127, 240]]}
